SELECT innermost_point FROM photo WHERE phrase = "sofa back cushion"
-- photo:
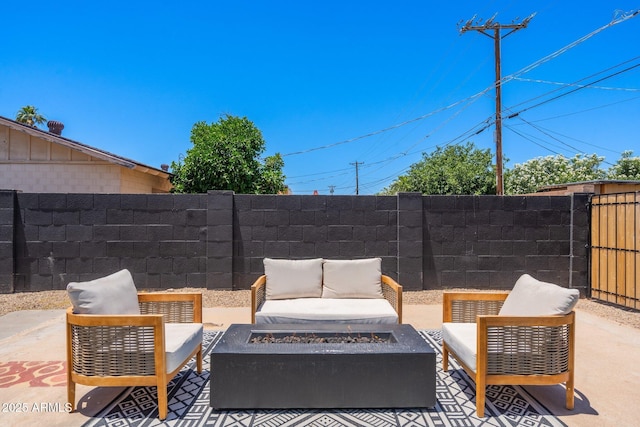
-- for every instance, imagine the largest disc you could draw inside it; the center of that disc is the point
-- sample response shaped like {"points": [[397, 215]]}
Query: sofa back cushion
{"points": [[359, 278], [293, 278], [113, 294], [531, 297]]}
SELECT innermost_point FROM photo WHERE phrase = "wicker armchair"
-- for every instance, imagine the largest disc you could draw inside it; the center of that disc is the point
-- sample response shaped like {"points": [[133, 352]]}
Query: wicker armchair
{"points": [[135, 350], [507, 349]]}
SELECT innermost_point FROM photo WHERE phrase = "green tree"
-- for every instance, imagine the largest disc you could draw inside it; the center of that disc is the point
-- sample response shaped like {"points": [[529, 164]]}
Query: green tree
{"points": [[226, 156], [29, 116], [626, 168], [529, 176], [455, 169]]}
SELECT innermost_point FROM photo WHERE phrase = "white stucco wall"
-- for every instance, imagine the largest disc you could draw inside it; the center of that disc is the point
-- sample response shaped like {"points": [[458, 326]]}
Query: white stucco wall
{"points": [[60, 178], [31, 164]]}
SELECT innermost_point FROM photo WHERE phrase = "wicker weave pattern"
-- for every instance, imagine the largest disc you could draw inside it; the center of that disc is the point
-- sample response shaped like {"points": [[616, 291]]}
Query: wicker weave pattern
{"points": [[390, 295], [532, 350], [261, 296], [173, 311], [113, 350], [465, 311]]}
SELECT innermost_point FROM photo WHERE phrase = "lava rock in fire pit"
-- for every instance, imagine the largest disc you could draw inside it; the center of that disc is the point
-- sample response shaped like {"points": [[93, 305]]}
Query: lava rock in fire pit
{"points": [[316, 339]]}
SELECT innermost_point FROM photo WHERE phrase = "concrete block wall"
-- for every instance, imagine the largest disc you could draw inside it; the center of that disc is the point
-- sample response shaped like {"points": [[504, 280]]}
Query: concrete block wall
{"points": [[7, 259], [488, 242], [219, 240], [73, 237], [336, 227]]}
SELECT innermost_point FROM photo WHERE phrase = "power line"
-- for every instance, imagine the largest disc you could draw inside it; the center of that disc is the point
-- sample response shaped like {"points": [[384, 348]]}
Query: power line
{"points": [[573, 90], [624, 89]]}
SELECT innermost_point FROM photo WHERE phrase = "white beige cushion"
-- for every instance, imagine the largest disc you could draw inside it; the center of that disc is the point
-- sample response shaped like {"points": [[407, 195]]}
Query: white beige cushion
{"points": [[360, 278], [299, 278], [181, 339], [461, 338], [531, 297], [113, 294], [327, 310]]}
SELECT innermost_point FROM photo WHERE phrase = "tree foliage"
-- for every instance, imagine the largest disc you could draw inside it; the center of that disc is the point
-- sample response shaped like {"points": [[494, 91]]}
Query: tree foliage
{"points": [[626, 168], [29, 116], [455, 169], [529, 176], [226, 156]]}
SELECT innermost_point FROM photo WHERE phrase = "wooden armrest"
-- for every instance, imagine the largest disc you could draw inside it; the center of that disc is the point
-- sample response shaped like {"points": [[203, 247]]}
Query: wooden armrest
{"points": [[258, 295], [114, 319], [485, 321], [392, 292], [177, 307], [461, 306]]}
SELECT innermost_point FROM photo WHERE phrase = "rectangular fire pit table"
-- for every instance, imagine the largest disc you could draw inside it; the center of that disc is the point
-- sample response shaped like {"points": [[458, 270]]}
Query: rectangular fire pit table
{"points": [[400, 373]]}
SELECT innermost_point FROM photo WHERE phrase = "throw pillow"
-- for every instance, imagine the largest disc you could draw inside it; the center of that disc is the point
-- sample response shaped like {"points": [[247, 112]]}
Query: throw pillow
{"points": [[113, 294], [531, 297], [293, 278], [360, 278]]}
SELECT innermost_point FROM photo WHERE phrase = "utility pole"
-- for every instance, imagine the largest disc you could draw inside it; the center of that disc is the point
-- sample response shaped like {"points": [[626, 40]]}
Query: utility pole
{"points": [[357, 185], [493, 30]]}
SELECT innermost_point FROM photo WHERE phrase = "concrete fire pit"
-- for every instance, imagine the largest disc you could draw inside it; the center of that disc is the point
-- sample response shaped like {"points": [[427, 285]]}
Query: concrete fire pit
{"points": [[399, 373]]}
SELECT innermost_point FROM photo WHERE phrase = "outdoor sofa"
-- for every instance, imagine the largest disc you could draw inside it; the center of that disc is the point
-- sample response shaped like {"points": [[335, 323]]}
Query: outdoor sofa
{"points": [[526, 336], [119, 337], [325, 291]]}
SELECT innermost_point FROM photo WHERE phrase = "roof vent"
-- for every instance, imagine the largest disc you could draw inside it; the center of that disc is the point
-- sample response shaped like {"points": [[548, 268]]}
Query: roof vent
{"points": [[164, 167], [55, 127]]}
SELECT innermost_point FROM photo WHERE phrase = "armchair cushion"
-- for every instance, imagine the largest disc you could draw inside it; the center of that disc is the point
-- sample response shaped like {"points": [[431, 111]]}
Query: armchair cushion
{"points": [[113, 294], [531, 297], [181, 339], [299, 278], [462, 339], [360, 278]]}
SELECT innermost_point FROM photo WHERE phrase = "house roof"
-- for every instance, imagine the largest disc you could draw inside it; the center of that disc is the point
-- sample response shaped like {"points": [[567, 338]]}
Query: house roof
{"points": [[594, 182], [84, 148]]}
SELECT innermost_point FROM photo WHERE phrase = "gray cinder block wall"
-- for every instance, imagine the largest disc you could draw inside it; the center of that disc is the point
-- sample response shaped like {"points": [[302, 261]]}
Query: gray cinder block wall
{"points": [[218, 240]]}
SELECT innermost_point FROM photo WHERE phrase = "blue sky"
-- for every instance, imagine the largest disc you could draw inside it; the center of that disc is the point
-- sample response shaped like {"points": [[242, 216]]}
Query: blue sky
{"points": [[328, 83]]}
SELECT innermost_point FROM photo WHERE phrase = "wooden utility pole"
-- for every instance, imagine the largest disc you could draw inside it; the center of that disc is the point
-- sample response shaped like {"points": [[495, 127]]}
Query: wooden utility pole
{"points": [[357, 185], [493, 29]]}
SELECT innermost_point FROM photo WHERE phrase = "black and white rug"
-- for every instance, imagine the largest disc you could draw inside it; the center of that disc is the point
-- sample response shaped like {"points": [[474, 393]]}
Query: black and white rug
{"points": [[455, 391]]}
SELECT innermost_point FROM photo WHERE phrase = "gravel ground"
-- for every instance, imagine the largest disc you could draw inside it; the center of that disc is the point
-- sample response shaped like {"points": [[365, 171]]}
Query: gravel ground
{"points": [[47, 300]]}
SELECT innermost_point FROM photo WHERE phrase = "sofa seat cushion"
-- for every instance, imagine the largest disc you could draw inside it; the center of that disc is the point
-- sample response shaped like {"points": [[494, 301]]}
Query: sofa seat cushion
{"points": [[531, 297], [461, 338], [327, 310], [181, 339]]}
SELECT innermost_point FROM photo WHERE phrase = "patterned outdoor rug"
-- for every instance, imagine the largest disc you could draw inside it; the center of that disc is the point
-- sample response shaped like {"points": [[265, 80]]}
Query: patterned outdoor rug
{"points": [[455, 391]]}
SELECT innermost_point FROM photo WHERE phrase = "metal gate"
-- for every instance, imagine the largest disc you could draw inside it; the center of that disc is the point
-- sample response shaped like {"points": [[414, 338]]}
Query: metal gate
{"points": [[615, 250]]}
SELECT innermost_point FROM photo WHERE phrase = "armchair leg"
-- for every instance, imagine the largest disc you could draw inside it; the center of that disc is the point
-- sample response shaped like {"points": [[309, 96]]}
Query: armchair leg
{"points": [[480, 397], [199, 360], [162, 401], [445, 358], [570, 394], [71, 393]]}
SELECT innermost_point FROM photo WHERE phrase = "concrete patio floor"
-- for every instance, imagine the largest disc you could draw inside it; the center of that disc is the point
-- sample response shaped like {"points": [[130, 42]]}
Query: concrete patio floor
{"points": [[607, 369]]}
